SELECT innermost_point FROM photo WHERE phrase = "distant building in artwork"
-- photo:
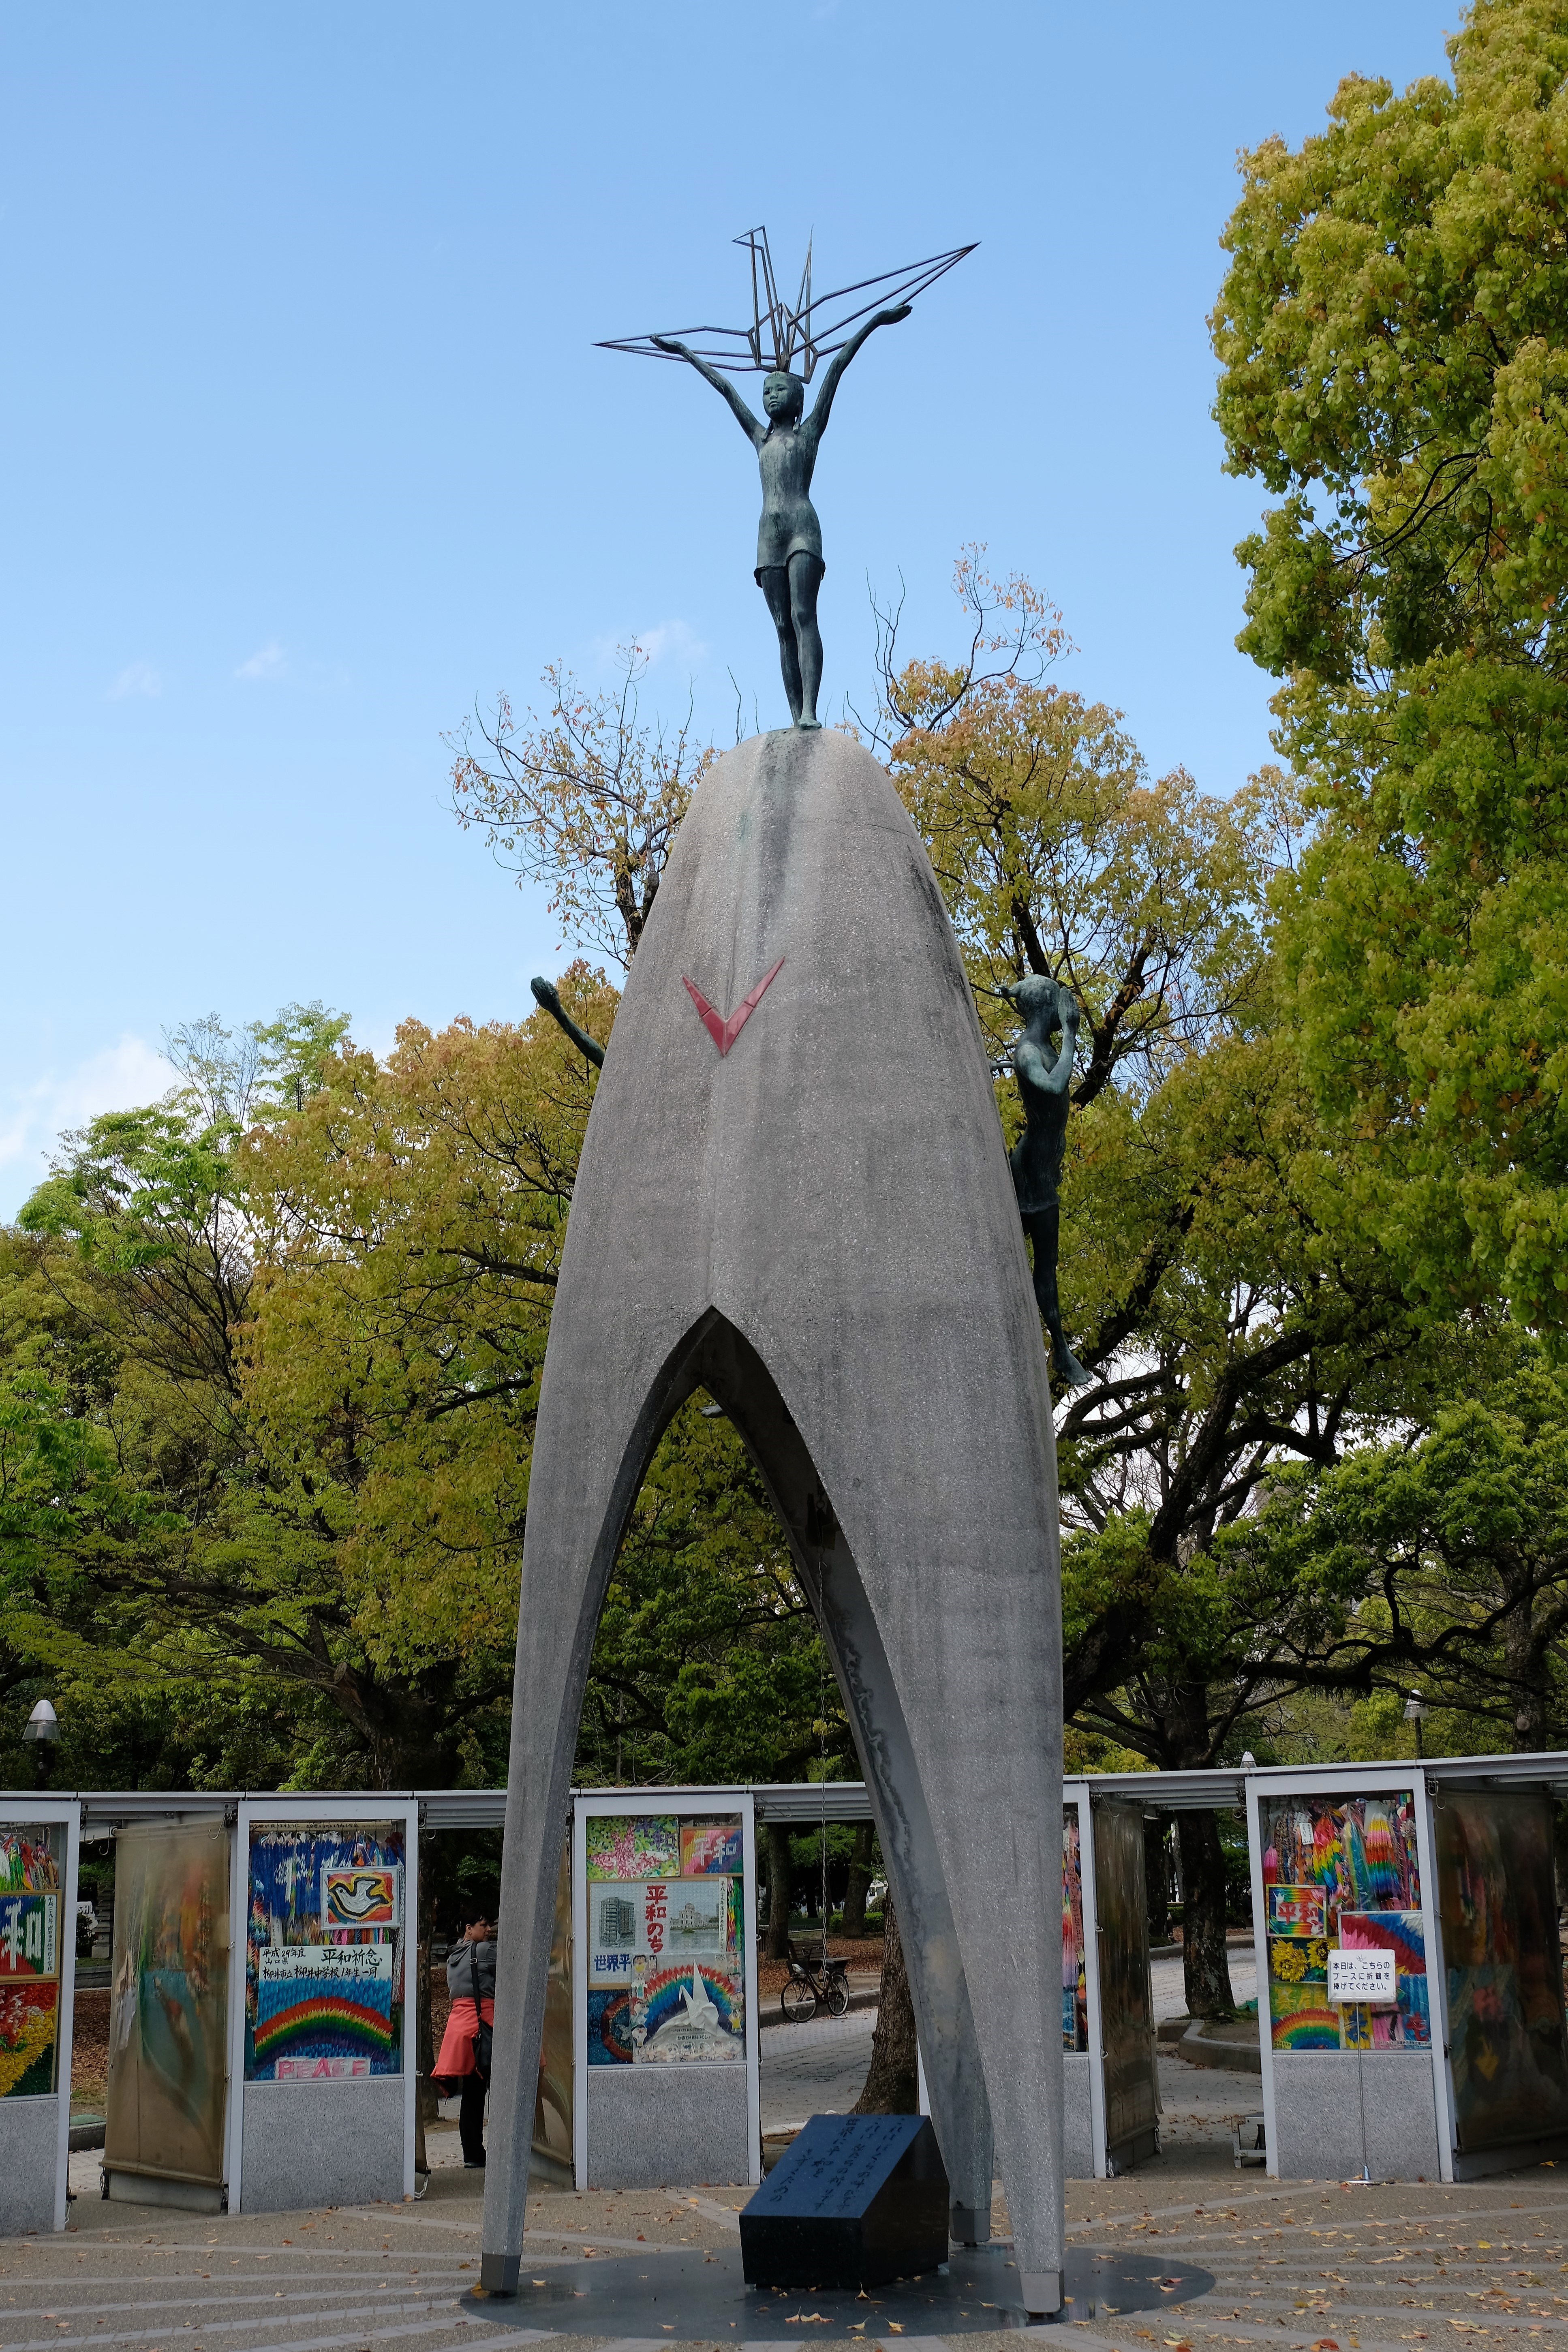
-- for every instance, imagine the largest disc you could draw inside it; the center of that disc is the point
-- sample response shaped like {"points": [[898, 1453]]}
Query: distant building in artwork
{"points": [[618, 1920], [690, 1921]]}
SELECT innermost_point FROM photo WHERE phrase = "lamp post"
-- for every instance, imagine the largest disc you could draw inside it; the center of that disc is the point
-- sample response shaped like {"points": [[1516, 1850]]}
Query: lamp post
{"points": [[40, 1733], [1415, 1710]]}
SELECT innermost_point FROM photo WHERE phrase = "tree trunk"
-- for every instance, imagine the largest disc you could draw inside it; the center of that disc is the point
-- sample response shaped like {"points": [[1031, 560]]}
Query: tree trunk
{"points": [[1204, 1963], [781, 1880], [1525, 1658], [858, 1881], [1157, 1877], [892, 2087]]}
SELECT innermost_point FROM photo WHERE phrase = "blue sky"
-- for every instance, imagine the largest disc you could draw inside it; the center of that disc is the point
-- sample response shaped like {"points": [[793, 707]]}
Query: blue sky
{"points": [[307, 445]]}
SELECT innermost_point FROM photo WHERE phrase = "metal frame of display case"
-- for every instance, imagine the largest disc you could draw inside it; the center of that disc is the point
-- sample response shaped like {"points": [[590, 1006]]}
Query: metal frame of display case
{"points": [[1078, 1791], [335, 1810], [1082, 1790], [66, 1811], [1339, 1781], [1500, 1775], [595, 1805]]}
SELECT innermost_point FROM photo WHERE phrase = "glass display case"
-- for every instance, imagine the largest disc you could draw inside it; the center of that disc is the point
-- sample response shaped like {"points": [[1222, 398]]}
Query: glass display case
{"points": [[1111, 2087], [40, 1841], [1496, 1902], [167, 2101], [665, 1895], [321, 2046], [1341, 1862]]}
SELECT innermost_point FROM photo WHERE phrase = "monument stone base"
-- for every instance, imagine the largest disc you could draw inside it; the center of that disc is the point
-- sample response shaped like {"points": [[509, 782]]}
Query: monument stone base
{"points": [[856, 2200], [695, 2296]]}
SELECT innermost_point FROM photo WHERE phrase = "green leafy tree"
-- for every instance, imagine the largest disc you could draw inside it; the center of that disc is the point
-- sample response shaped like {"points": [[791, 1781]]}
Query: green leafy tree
{"points": [[1392, 334], [188, 1591], [708, 1665], [1442, 1562]]}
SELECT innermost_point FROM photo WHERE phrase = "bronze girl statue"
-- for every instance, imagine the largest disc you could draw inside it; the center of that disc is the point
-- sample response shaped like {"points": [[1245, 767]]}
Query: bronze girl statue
{"points": [[789, 537]]}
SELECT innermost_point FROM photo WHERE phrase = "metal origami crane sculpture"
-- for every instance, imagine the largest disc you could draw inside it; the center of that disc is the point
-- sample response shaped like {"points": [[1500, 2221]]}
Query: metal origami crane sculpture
{"points": [[815, 327]]}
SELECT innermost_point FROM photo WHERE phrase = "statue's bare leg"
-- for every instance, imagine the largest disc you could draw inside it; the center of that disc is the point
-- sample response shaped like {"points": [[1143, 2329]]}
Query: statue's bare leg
{"points": [[1043, 1229], [804, 579], [774, 583]]}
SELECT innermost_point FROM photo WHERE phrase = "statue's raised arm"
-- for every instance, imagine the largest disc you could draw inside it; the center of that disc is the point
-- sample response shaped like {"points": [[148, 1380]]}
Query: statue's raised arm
{"points": [[547, 995], [754, 430], [790, 566], [817, 423]]}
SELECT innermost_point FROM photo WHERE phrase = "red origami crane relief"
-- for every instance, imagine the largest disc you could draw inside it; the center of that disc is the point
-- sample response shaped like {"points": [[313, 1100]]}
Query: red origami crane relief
{"points": [[725, 1032]]}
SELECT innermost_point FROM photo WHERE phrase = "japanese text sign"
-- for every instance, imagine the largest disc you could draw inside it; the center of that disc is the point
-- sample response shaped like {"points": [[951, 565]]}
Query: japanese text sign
{"points": [[1362, 1976]]}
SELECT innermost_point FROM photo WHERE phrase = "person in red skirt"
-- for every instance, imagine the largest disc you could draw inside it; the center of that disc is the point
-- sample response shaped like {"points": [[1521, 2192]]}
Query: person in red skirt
{"points": [[471, 1981]]}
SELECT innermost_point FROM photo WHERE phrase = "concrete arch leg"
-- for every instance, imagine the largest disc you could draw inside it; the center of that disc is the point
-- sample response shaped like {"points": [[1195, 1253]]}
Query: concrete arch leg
{"points": [[554, 1648]]}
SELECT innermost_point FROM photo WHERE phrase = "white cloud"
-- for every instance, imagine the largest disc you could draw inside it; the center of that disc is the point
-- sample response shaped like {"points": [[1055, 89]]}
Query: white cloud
{"points": [[117, 1077], [136, 677], [672, 643], [267, 662]]}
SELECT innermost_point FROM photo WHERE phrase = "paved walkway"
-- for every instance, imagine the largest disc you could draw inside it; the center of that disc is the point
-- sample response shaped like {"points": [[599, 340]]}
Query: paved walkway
{"points": [[819, 2069], [1169, 1984], [1343, 2269]]}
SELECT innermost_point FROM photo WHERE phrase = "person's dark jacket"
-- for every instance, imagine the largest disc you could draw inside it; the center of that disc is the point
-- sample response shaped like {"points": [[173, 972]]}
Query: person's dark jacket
{"points": [[461, 1964]]}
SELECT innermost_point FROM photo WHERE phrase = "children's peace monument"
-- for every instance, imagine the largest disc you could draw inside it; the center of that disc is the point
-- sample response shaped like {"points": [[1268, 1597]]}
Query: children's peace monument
{"points": [[795, 1195]]}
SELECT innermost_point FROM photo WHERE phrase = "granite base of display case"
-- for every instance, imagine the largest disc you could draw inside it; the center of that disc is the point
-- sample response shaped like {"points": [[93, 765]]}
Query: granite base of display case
{"points": [[855, 2200], [662, 2126], [1077, 2133], [1318, 2107], [333, 2143], [29, 2156]]}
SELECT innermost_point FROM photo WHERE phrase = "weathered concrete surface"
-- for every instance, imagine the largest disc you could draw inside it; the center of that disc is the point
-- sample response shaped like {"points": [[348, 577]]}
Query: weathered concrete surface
{"points": [[820, 1227]]}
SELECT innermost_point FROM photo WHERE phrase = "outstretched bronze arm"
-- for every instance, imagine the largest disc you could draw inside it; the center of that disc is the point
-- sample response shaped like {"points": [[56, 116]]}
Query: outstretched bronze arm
{"points": [[753, 430], [818, 420], [547, 994]]}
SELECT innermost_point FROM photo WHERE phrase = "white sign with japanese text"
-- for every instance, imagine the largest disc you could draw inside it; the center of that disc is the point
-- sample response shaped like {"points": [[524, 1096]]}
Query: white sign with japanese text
{"points": [[1367, 1977]]}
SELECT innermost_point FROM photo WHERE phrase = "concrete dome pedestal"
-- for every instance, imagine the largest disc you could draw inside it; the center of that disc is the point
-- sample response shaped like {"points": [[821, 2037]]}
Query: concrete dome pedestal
{"points": [[805, 1208]]}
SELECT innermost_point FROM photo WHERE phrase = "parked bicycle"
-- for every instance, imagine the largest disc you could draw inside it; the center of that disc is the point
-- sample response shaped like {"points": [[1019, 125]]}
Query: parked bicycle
{"points": [[810, 1981]]}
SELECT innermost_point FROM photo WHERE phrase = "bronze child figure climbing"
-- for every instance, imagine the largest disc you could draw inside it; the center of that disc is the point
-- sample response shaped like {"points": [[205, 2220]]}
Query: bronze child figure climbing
{"points": [[1044, 1075]]}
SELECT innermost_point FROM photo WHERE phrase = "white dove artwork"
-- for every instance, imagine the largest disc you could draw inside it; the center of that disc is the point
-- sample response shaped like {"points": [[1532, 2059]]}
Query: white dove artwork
{"points": [[697, 2030]]}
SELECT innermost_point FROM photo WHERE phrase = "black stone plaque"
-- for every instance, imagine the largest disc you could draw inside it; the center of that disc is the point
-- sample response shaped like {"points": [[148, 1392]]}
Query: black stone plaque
{"points": [[856, 2200]]}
